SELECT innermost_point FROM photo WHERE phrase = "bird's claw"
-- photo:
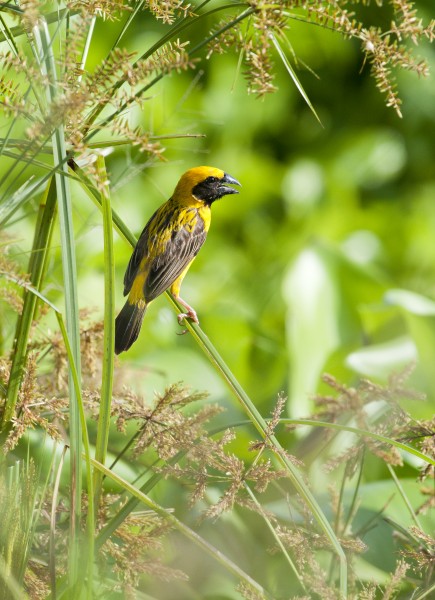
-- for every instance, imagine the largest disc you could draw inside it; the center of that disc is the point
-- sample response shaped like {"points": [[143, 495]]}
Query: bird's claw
{"points": [[188, 315]]}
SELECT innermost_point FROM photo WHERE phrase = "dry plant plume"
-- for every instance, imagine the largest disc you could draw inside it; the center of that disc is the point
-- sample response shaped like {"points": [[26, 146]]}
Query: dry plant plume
{"points": [[385, 51], [122, 79]]}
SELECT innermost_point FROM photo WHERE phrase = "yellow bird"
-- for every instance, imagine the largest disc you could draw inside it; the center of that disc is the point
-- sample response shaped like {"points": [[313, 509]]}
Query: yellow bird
{"points": [[167, 246]]}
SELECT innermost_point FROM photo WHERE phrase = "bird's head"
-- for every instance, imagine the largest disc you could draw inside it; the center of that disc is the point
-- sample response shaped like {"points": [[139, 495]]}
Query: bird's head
{"points": [[206, 184]]}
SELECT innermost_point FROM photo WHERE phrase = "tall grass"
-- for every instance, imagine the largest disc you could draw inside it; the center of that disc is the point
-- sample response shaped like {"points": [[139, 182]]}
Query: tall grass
{"points": [[64, 106]]}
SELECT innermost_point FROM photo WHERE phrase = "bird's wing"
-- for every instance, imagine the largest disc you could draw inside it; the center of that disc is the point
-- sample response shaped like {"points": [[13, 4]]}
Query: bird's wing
{"points": [[141, 250], [179, 251], [146, 243]]}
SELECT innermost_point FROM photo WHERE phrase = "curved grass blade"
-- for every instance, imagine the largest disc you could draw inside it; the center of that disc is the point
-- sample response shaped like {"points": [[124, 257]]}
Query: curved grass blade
{"points": [[34, 162], [25, 192], [18, 198], [293, 75], [362, 433]]}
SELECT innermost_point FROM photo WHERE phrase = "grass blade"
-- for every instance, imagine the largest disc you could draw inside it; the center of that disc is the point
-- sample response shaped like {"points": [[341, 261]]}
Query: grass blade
{"points": [[362, 433], [109, 334], [293, 75], [86, 559]]}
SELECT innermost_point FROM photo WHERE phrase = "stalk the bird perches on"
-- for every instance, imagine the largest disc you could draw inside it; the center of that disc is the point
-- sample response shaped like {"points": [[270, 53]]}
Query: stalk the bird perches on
{"points": [[167, 246]]}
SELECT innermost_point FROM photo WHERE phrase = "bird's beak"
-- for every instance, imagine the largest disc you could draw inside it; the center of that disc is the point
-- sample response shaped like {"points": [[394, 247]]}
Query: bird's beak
{"points": [[228, 190]]}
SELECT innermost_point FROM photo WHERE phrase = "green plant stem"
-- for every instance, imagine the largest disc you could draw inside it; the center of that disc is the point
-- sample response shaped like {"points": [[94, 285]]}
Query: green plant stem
{"points": [[48, 68], [129, 506], [86, 559], [37, 261], [404, 497], [109, 334], [261, 425]]}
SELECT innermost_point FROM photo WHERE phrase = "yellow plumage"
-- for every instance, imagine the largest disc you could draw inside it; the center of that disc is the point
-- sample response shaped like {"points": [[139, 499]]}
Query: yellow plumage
{"points": [[167, 246]]}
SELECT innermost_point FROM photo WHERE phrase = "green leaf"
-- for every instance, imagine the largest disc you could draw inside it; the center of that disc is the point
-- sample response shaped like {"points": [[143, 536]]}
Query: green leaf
{"points": [[419, 314], [313, 306], [380, 360], [411, 302]]}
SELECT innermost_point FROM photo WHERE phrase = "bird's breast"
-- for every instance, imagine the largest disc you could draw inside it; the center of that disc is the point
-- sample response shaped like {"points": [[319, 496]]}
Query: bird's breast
{"points": [[204, 213]]}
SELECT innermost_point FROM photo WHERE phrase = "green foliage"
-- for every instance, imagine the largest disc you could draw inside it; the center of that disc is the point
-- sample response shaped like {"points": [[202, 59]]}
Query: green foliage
{"points": [[18, 505], [324, 263]]}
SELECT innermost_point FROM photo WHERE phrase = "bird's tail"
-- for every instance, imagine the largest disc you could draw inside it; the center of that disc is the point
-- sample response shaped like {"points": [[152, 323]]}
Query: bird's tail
{"points": [[128, 324]]}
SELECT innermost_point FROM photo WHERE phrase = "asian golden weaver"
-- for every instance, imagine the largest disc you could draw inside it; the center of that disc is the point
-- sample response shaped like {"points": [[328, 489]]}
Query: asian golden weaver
{"points": [[166, 248]]}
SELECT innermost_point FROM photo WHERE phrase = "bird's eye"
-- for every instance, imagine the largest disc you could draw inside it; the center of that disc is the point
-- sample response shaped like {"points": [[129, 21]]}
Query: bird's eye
{"points": [[211, 180]]}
